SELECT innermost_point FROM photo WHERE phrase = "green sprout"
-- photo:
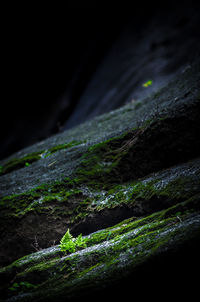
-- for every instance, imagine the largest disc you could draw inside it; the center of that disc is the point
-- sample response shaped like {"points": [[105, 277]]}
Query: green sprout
{"points": [[147, 84], [69, 244]]}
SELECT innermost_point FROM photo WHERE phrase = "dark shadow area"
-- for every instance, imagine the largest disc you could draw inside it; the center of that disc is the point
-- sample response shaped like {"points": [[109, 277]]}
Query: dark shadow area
{"points": [[64, 68], [172, 275]]}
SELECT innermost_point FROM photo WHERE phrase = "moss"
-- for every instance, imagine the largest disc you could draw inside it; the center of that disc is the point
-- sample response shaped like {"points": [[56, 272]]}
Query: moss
{"points": [[25, 161], [22, 287], [184, 208], [142, 150], [17, 163], [71, 204], [111, 253], [101, 159], [64, 146], [106, 188], [52, 200], [147, 196], [138, 105], [55, 200]]}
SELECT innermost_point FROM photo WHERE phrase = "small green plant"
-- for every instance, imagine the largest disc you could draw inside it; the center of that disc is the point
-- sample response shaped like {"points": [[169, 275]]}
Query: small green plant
{"points": [[147, 84], [70, 244]]}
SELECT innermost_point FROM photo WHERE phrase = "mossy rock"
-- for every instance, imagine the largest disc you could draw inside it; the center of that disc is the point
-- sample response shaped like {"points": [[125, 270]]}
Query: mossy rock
{"points": [[69, 204], [111, 255], [129, 181]]}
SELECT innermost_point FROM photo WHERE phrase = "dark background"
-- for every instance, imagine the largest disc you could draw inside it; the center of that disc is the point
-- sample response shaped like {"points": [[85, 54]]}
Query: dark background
{"points": [[49, 56]]}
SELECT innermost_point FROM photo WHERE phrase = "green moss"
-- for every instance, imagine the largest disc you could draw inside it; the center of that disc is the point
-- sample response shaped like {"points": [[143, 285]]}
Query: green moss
{"points": [[64, 146], [138, 105], [22, 287], [146, 197], [68, 198], [126, 157], [98, 165], [17, 163], [101, 164], [51, 200], [166, 216], [110, 254]]}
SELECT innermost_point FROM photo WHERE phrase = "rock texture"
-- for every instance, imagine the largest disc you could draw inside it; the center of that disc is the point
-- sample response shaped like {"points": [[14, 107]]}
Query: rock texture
{"points": [[128, 180]]}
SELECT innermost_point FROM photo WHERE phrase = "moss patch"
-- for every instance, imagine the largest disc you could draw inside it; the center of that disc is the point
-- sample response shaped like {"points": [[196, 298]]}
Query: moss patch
{"points": [[158, 143], [17, 163]]}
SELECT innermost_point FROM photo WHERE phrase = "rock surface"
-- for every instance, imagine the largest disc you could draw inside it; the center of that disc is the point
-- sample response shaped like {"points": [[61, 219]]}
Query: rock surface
{"points": [[128, 180], [79, 71]]}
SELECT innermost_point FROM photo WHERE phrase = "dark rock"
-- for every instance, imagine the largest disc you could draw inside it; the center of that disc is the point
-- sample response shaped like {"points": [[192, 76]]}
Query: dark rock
{"points": [[128, 181], [72, 71]]}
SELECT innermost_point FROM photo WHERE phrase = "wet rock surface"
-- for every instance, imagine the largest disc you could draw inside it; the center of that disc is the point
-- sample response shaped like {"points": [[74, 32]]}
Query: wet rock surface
{"points": [[128, 181]]}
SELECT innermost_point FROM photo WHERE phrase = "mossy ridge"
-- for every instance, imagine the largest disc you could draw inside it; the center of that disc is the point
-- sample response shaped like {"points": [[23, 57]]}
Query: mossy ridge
{"points": [[58, 200], [175, 213], [71, 205], [101, 165], [110, 262], [58, 191], [181, 210], [135, 195], [17, 163], [129, 194], [109, 251], [140, 193]]}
